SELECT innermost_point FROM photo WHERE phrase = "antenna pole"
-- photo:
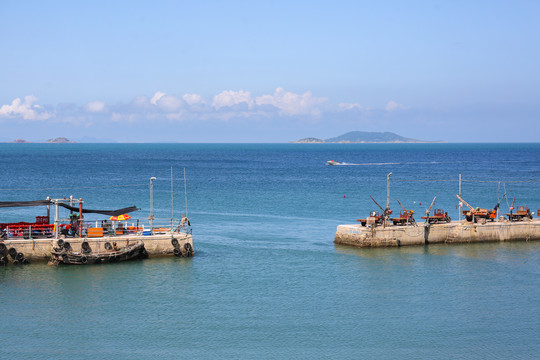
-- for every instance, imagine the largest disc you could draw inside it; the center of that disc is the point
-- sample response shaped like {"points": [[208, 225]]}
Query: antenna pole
{"points": [[459, 192], [388, 192], [185, 190], [56, 219], [151, 217], [172, 200]]}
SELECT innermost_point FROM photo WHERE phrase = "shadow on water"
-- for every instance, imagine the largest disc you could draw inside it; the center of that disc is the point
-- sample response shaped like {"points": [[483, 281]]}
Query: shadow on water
{"points": [[507, 251]]}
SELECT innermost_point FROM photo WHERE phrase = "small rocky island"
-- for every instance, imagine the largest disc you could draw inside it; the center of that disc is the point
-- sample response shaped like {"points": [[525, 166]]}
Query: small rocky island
{"points": [[60, 140], [364, 137], [310, 140]]}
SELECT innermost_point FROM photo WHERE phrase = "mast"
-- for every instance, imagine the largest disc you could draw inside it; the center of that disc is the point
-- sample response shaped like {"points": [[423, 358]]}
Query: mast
{"points": [[56, 215], [48, 210], [185, 191], [388, 193], [172, 199], [151, 217], [459, 192], [80, 217]]}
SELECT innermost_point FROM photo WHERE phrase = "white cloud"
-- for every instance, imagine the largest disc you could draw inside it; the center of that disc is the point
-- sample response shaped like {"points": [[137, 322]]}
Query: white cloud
{"points": [[350, 106], [231, 97], [168, 103], [393, 106], [226, 105], [292, 104], [158, 95], [193, 99], [95, 106], [26, 110]]}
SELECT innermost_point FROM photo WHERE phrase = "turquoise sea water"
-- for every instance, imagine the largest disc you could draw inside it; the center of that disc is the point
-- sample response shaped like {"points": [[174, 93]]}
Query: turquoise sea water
{"points": [[267, 281]]}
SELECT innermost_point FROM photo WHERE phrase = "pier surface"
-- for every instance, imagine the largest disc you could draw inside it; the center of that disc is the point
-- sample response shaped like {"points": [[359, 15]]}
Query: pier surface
{"points": [[448, 233]]}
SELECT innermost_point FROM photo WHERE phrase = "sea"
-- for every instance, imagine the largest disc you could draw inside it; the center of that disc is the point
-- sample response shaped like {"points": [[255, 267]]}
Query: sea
{"points": [[267, 280]]}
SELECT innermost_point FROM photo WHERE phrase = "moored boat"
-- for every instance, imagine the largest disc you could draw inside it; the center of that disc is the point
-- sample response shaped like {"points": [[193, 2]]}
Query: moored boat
{"points": [[64, 254], [74, 238]]}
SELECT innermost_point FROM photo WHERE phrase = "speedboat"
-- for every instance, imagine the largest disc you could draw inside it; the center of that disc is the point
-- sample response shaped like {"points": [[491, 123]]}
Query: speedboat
{"points": [[333, 162]]}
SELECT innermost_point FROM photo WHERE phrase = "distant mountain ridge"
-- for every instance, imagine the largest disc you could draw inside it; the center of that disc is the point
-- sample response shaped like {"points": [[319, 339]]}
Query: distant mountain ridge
{"points": [[365, 137]]}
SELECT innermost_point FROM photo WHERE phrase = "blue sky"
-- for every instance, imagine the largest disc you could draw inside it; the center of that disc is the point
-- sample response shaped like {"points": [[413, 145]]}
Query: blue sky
{"points": [[274, 71]]}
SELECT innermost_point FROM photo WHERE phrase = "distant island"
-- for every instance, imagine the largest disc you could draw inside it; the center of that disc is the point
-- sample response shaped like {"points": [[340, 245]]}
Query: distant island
{"points": [[310, 140], [58, 140], [364, 137]]}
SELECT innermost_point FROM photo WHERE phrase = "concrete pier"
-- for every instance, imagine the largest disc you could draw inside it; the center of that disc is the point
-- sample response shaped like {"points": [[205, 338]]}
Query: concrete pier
{"points": [[448, 233], [156, 245]]}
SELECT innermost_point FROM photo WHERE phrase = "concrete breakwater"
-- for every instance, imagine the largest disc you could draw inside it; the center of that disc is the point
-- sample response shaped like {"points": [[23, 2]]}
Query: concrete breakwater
{"points": [[448, 233], [156, 245]]}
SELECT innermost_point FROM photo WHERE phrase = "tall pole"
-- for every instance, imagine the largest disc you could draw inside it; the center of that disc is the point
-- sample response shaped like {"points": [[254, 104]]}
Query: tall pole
{"points": [[172, 200], [48, 211], [185, 190], [459, 191], [80, 217], [388, 192], [56, 221], [151, 217]]}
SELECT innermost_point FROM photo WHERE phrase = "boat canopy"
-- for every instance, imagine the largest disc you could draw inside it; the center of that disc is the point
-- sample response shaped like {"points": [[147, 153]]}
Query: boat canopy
{"points": [[24, 203], [126, 210]]}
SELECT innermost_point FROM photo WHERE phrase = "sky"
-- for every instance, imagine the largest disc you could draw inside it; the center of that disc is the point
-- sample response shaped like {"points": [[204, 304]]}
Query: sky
{"points": [[269, 71]]}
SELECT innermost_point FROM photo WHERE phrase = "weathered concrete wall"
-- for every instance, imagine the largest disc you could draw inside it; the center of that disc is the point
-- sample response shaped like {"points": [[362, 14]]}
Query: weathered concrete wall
{"points": [[156, 245], [454, 232]]}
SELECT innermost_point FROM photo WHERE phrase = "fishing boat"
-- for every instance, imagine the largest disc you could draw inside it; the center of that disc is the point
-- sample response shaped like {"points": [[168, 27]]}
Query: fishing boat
{"points": [[333, 162], [71, 234], [64, 254]]}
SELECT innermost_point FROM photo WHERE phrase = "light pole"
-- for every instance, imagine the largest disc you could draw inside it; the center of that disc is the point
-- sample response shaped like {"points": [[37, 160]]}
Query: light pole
{"points": [[388, 192], [460, 203], [151, 217]]}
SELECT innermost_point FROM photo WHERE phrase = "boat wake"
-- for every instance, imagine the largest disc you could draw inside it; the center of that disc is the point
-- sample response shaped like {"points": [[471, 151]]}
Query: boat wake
{"points": [[367, 164], [396, 163]]}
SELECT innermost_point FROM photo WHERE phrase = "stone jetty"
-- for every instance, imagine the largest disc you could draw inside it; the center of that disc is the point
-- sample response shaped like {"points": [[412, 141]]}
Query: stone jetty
{"points": [[447, 233], [156, 244]]}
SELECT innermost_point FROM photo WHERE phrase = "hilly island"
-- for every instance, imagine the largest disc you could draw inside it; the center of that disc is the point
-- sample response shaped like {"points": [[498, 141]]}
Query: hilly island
{"points": [[364, 137]]}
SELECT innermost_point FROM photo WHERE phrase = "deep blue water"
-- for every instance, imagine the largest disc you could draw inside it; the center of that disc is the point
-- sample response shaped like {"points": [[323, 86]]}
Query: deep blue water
{"points": [[267, 280]]}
